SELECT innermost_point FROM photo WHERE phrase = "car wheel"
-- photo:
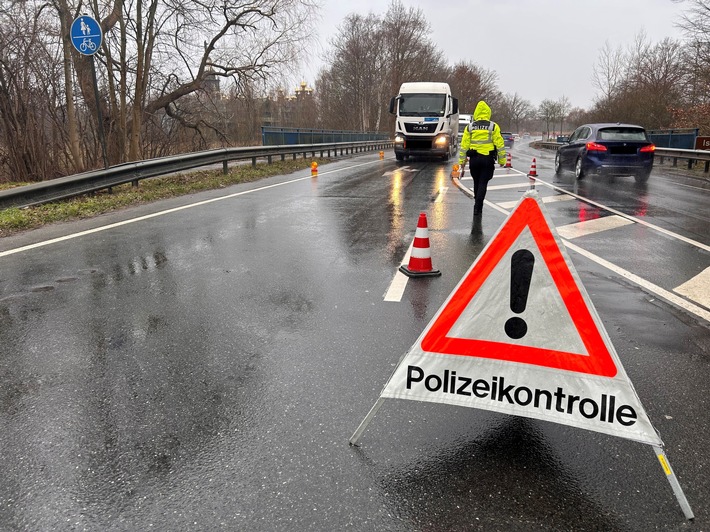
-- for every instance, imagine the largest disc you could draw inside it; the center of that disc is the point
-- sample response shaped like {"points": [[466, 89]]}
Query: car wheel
{"points": [[558, 163], [642, 176], [578, 170]]}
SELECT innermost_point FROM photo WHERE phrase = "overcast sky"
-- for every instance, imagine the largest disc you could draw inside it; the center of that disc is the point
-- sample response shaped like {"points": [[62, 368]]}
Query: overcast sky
{"points": [[539, 48]]}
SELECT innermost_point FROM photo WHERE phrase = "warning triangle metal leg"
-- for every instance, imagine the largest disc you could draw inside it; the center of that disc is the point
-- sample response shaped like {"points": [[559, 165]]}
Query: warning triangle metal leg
{"points": [[365, 422], [670, 475]]}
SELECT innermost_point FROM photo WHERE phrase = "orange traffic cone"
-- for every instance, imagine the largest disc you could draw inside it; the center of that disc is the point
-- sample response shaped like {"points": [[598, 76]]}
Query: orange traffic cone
{"points": [[420, 259], [533, 169], [455, 171], [314, 169], [509, 161]]}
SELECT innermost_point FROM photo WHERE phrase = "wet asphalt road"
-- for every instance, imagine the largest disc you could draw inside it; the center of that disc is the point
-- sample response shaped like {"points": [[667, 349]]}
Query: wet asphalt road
{"points": [[204, 369]]}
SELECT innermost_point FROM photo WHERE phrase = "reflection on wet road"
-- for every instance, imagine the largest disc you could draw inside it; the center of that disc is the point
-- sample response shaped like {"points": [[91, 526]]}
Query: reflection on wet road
{"points": [[204, 369]]}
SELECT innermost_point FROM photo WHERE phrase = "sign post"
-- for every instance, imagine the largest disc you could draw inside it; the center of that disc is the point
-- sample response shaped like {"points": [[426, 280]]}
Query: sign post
{"points": [[86, 37]]}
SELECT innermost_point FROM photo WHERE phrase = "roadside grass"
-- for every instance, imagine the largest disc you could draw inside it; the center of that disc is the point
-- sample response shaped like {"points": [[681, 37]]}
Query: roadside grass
{"points": [[15, 220]]}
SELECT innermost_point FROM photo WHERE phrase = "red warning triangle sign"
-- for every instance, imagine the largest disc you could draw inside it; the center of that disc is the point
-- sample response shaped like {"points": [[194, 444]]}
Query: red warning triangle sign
{"points": [[443, 336]]}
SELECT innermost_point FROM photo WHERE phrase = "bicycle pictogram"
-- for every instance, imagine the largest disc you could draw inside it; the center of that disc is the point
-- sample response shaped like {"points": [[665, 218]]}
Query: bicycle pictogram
{"points": [[87, 45]]}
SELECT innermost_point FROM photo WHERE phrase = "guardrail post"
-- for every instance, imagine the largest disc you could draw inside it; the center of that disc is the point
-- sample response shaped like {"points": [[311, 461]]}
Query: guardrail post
{"points": [[253, 162], [134, 183], [707, 166], [690, 164], [269, 159], [675, 161], [294, 156], [225, 167], [283, 156]]}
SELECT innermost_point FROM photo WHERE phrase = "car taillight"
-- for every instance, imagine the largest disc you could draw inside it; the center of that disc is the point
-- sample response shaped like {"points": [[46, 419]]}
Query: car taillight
{"points": [[593, 146], [649, 148]]}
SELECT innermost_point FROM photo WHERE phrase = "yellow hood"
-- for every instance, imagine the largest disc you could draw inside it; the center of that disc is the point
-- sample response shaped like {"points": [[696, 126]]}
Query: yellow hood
{"points": [[482, 112]]}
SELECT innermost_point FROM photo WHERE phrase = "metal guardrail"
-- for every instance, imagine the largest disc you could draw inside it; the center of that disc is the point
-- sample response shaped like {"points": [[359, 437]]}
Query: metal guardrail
{"points": [[661, 154], [692, 156], [286, 136], [75, 185]]}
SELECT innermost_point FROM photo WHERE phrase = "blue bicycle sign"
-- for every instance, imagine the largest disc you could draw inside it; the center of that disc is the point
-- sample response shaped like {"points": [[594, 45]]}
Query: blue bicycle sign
{"points": [[86, 35]]}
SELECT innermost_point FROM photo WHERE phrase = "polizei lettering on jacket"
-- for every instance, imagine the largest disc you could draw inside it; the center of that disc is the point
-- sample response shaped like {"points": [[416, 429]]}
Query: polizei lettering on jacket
{"points": [[496, 389]]}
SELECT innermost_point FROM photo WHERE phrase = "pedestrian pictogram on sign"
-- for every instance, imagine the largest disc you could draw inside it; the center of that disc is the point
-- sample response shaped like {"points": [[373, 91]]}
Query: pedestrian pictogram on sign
{"points": [[519, 335]]}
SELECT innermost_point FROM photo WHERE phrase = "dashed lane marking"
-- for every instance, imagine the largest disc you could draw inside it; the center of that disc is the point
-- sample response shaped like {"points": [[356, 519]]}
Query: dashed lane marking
{"points": [[399, 283], [589, 227], [697, 288], [546, 199], [689, 306], [629, 217]]}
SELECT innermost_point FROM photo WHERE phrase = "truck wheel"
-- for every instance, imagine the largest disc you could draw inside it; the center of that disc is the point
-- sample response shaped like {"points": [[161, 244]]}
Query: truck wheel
{"points": [[399, 156]]}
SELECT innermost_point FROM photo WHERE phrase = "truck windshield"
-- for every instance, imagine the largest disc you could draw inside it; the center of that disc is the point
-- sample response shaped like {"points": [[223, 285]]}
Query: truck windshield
{"points": [[422, 104]]}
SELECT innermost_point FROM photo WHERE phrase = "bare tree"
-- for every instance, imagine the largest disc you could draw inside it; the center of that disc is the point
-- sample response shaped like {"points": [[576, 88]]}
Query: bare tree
{"points": [[31, 114], [472, 83], [410, 53], [156, 53], [609, 72], [514, 110], [355, 79], [369, 59], [695, 23], [547, 112]]}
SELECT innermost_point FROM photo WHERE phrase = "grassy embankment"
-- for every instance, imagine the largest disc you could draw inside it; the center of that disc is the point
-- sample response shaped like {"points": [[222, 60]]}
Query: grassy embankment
{"points": [[15, 220]]}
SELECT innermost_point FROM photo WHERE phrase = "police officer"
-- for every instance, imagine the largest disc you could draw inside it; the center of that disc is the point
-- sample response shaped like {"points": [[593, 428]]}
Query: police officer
{"points": [[482, 143]]}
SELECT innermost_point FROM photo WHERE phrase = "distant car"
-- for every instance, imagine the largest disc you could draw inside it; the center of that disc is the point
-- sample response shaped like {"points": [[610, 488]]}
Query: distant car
{"points": [[612, 149], [508, 139]]}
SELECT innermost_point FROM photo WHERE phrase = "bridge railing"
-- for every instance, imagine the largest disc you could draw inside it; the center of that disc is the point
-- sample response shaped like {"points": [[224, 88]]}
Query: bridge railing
{"points": [[75, 185]]}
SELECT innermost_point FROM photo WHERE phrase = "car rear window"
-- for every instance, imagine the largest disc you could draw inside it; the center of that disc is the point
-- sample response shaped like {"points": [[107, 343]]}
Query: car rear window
{"points": [[621, 133]]}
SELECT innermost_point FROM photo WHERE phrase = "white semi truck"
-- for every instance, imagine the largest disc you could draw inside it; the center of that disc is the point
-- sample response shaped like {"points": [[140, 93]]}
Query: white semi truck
{"points": [[427, 121]]}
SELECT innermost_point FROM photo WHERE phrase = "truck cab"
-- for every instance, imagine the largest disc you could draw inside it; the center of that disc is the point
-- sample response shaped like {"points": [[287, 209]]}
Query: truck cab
{"points": [[427, 121]]}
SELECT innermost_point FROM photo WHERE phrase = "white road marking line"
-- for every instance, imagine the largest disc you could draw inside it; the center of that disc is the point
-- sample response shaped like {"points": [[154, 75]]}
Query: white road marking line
{"points": [[167, 211], [590, 227], [643, 283], [399, 283], [440, 194], [697, 288], [523, 186], [655, 289], [629, 217], [546, 199], [559, 197]]}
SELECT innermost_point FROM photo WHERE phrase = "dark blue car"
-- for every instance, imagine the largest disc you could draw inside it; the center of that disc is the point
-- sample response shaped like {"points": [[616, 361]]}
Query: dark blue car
{"points": [[508, 139], [611, 149]]}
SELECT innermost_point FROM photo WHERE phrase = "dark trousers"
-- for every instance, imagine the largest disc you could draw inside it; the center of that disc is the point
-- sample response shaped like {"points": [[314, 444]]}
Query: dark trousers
{"points": [[481, 168]]}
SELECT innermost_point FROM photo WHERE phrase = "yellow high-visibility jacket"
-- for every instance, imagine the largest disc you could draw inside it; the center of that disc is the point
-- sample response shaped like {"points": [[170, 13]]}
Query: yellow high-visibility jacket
{"points": [[482, 135]]}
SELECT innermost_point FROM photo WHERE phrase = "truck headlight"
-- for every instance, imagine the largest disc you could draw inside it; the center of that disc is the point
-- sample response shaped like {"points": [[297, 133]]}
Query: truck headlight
{"points": [[399, 139], [441, 140]]}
